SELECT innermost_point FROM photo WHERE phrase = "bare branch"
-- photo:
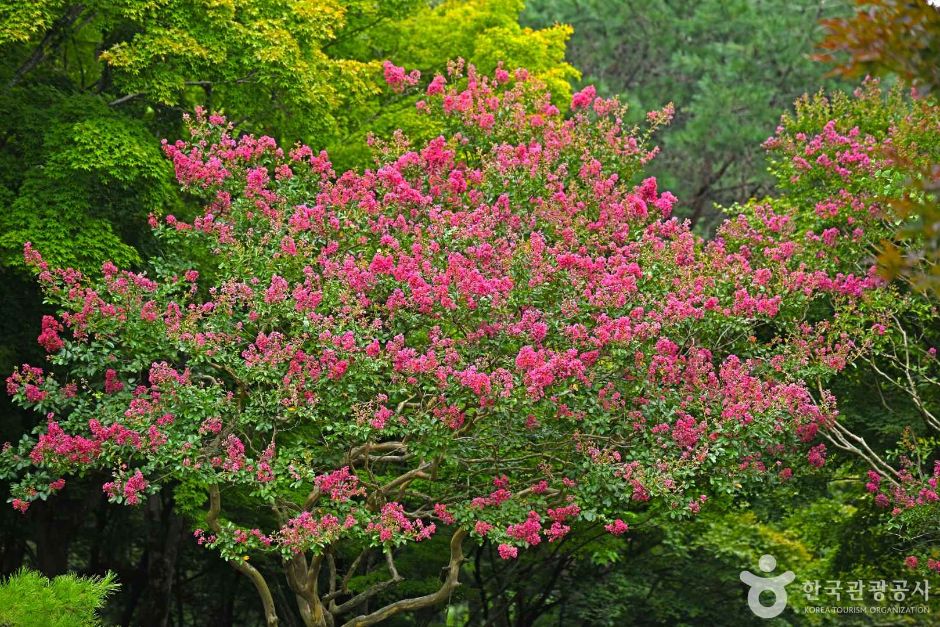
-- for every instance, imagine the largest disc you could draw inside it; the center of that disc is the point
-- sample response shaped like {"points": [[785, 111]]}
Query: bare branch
{"points": [[411, 475], [370, 592], [125, 98], [428, 600]]}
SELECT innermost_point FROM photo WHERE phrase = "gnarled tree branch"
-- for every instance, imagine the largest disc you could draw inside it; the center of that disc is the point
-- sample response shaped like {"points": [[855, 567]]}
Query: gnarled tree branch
{"points": [[428, 600]]}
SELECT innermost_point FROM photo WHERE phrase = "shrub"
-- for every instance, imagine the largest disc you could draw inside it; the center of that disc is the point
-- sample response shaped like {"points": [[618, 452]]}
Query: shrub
{"points": [[29, 599]]}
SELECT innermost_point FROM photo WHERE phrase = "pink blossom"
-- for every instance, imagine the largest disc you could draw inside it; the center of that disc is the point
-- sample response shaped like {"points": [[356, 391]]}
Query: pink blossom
{"points": [[617, 528], [583, 98], [112, 385], [397, 78], [49, 338], [508, 552], [817, 455]]}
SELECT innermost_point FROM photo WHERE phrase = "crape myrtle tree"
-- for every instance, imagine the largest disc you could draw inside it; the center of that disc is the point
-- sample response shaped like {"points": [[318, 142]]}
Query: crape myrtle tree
{"points": [[850, 169], [495, 336]]}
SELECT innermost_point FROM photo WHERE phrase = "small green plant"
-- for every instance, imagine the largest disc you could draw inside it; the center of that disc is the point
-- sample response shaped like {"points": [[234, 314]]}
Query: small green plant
{"points": [[27, 598]]}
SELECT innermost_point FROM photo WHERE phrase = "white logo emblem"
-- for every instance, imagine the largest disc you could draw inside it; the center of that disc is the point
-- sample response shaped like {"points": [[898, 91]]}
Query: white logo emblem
{"points": [[774, 584]]}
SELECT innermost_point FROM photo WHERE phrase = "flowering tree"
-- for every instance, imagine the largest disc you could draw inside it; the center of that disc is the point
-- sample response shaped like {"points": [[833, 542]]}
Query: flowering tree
{"points": [[88, 85], [850, 169], [498, 334]]}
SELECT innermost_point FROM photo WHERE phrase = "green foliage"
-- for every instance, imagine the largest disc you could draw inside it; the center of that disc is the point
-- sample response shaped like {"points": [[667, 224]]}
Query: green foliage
{"points": [[80, 192], [488, 33], [27, 599], [260, 60], [21, 20], [686, 573]]}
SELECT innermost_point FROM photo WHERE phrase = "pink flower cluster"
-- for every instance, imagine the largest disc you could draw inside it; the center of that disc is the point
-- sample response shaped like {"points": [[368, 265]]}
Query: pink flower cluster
{"points": [[397, 78], [49, 338], [340, 484], [128, 488], [394, 523]]}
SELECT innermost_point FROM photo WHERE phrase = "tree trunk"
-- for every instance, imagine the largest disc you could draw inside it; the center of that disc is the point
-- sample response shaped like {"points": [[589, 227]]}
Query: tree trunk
{"points": [[164, 535], [53, 533]]}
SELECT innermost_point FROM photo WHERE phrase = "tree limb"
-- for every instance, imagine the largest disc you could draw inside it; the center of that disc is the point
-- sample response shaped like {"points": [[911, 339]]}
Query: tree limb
{"points": [[428, 600], [54, 36], [212, 519]]}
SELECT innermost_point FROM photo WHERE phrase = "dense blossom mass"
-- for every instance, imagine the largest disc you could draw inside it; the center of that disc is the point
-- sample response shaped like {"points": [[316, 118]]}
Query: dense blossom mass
{"points": [[502, 333]]}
